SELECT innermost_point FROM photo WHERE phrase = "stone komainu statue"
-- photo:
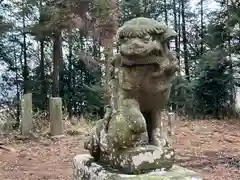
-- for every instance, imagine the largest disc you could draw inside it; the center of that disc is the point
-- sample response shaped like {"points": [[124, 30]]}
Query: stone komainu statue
{"points": [[128, 137]]}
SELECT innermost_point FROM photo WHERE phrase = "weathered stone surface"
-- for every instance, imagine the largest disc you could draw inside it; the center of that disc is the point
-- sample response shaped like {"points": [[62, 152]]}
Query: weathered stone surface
{"points": [[27, 120], [85, 168], [140, 159], [56, 121]]}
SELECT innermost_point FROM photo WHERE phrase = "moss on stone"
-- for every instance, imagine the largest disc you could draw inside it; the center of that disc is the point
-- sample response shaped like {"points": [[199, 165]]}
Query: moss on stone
{"points": [[85, 168], [176, 173]]}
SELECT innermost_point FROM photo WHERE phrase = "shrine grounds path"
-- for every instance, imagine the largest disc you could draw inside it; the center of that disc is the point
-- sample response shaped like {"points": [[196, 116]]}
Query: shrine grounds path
{"points": [[208, 147]]}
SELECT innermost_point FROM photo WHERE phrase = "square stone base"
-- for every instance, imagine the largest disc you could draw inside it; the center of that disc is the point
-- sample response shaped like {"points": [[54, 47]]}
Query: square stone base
{"points": [[140, 159], [84, 168]]}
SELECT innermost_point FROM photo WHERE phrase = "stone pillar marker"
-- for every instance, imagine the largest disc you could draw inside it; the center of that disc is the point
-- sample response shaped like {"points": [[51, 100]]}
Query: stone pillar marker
{"points": [[27, 121], [171, 118], [56, 122]]}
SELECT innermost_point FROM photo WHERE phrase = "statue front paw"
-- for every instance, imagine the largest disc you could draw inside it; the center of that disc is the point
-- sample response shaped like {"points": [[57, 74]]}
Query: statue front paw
{"points": [[91, 144], [159, 142]]}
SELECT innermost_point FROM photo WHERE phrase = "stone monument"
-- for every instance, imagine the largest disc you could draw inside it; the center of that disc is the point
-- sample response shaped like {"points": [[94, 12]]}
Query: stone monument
{"points": [[128, 142]]}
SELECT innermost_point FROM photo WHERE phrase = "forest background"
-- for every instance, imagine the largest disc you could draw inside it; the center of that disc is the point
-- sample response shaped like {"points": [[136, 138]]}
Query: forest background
{"points": [[55, 48]]}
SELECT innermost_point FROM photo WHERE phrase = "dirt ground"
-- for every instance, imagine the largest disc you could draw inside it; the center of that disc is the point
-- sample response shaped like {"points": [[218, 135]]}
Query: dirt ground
{"points": [[211, 148]]}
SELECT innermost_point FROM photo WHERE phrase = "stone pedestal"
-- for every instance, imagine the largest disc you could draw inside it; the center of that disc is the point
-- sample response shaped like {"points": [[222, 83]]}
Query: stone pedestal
{"points": [[84, 168], [139, 160]]}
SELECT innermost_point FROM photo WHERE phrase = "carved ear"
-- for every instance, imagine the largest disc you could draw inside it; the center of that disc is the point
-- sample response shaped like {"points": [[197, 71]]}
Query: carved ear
{"points": [[168, 35], [116, 60]]}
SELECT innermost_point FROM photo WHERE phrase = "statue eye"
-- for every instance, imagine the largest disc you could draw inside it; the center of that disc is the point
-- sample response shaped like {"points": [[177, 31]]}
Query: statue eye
{"points": [[125, 39], [146, 40], [156, 38]]}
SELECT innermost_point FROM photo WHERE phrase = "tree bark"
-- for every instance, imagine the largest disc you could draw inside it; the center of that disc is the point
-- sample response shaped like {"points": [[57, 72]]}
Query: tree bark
{"points": [[57, 61], [70, 69], [201, 50], [185, 51], [108, 30], [166, 16], [42, 75], [165, 12], [16, 126], [177, 30], [26, 80]]}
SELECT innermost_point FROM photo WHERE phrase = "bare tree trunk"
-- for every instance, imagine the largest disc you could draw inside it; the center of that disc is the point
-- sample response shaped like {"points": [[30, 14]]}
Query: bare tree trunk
{"points": [[165, 12], [57, 46], [43, 85], [108, 30], [42, 75], [26, 80], [108, 53], [166, 16], [16, 126], [201, 50], [70, 69], [73, 91], [232, 94], [185, 51], [177, 30]]}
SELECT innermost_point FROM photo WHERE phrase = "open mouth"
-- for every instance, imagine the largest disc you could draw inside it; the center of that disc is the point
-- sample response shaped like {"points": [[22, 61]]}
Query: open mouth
{"points": [[140, 52]]}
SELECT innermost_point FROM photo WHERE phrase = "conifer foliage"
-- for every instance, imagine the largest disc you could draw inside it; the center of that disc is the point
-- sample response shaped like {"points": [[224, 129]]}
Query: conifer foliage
{"points": [[63, 48]]}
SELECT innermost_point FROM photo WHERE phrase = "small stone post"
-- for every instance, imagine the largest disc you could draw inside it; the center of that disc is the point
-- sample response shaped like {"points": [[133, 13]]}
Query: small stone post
{"points": [[27, 121], [161, 125], [56, 122], [171, 117]]}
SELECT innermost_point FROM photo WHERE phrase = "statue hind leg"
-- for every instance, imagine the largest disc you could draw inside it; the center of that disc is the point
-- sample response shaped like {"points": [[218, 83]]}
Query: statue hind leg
{"points": [[156, 129]]}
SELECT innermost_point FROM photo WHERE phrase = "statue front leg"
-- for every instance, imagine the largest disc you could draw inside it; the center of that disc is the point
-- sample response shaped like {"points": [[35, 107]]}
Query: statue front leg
{"points": [[132, 113], [137, 124], [156, 130], [127, 125]]}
